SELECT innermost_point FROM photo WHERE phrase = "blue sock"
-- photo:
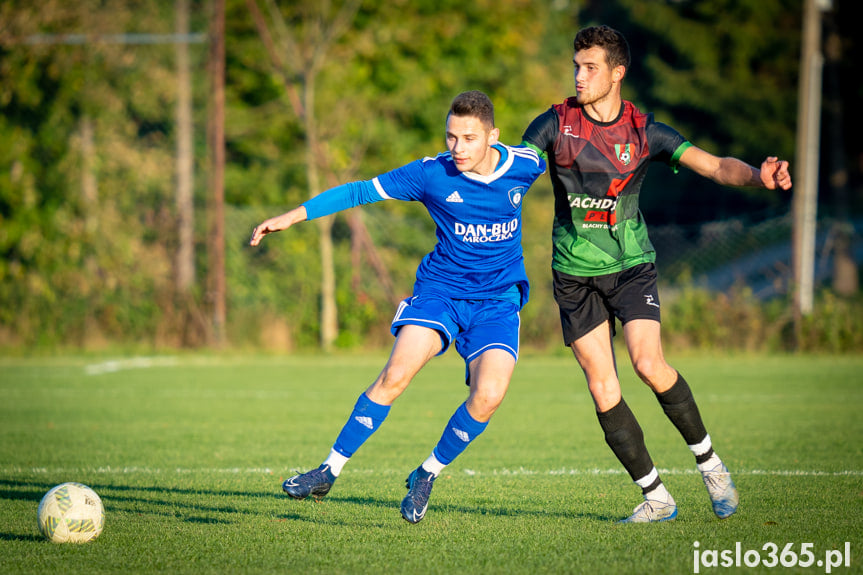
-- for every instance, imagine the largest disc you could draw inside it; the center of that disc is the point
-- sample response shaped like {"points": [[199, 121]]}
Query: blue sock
{"points": [[459, 432], [365, 419]]}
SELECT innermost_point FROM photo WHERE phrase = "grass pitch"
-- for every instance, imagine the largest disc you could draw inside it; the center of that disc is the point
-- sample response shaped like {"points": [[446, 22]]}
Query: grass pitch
{"points": [[188, 454]]}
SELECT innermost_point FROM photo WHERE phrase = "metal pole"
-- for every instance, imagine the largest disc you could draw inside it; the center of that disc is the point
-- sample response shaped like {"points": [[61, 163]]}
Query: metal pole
{"points": [[804, 206], [216, 240]]}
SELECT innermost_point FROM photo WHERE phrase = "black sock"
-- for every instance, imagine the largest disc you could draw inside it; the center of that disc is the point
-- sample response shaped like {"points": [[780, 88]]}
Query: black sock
{"points": [[679, 406], [625, 438]]}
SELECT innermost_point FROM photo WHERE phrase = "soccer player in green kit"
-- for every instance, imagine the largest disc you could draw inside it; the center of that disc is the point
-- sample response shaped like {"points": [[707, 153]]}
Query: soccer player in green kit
{"points": [[599, 147]]}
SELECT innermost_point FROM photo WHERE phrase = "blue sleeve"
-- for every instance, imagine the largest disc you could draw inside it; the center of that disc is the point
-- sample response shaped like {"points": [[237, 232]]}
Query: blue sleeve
{"points": [[407, 183], [341, 198]]}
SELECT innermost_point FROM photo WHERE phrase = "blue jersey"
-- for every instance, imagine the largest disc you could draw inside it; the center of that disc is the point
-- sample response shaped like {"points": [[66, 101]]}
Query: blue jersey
{"points": [[478, 253]]}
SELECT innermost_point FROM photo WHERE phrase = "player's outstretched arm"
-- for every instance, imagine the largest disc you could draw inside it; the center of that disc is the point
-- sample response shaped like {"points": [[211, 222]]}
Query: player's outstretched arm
{"points": [[733, 172], [278, 223]]}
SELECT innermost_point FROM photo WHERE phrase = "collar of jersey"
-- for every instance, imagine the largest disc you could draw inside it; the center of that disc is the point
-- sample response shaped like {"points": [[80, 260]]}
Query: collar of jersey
{"points": [[506, 156]]}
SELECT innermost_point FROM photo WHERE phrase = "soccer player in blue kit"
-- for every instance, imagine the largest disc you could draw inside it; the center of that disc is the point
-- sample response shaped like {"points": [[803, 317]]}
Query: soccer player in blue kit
{"points": [[469, 290]]}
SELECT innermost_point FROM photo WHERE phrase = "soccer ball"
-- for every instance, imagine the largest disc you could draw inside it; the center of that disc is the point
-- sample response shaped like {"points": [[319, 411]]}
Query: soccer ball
{"points": [[71, 513]]}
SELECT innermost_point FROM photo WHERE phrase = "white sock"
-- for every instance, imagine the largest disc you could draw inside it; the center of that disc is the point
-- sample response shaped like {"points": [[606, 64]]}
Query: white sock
{"points": [[701, 447], [659, 494], [336, 461], [432, 465], [710, 464]]}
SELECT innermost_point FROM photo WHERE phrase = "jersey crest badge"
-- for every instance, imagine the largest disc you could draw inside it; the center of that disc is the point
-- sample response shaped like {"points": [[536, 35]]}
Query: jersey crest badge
{"points": [[515, 196], [623, 153]]}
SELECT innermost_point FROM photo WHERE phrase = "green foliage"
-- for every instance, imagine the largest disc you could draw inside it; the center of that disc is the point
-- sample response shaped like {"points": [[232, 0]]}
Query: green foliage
{"points": [[85, 213], [714, 71], [695, 318], [87, 222], [276, 281], [836, 326], [716, 91]]}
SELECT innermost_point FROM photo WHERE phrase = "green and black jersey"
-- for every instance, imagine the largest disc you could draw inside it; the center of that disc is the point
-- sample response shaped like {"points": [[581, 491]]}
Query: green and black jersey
{"points": [[596, 171]]}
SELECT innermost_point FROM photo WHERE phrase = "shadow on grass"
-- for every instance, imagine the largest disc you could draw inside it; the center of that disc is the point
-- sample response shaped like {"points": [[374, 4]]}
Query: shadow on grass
{"points": [[175, 503], [482, 509], [20, 537]]}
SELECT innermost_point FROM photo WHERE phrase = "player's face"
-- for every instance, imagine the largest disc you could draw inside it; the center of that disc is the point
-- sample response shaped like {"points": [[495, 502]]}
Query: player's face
{"points": [[594, 79], [469, 141]]}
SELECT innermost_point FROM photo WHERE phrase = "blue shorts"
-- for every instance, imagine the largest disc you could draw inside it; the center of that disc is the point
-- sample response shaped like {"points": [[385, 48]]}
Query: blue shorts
{"points": [[475, 325]]}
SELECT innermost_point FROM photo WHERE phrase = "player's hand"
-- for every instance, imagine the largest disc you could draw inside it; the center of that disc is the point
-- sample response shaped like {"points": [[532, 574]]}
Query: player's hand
{"points": [[264, 228], [775, 174], [277, 224]]}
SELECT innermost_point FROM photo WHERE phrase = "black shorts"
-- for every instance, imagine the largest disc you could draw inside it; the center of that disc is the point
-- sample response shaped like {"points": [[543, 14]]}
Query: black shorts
{"points": [[587, 302]]}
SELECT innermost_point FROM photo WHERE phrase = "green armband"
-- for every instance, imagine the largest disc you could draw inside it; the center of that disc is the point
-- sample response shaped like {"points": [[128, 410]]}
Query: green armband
{"points": [[675, 158]]}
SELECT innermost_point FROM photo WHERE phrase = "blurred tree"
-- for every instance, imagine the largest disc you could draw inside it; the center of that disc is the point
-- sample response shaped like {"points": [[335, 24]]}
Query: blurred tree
{"points": [[86, 252], [846, 274], [383, 91], [724, 74], [185, 161], [299, 52], [90, 249]]}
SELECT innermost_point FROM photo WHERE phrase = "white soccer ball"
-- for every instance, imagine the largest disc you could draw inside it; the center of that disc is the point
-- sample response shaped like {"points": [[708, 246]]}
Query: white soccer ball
{"points": [[71, 513]]}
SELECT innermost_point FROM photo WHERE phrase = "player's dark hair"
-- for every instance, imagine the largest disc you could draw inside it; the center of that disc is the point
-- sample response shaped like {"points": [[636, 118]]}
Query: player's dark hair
{"points": [[473, 103], [613, 42]]}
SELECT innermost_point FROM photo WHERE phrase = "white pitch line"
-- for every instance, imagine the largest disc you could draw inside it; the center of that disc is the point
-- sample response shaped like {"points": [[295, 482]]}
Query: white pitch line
{"points": [[596, 471], [112, 366], [471, 472]]}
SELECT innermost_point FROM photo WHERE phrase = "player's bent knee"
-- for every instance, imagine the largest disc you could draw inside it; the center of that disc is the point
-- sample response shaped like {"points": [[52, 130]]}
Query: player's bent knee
{"points": [[603, 388], [606, 394], [649, 369], [392, 382], [483, 405]]}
